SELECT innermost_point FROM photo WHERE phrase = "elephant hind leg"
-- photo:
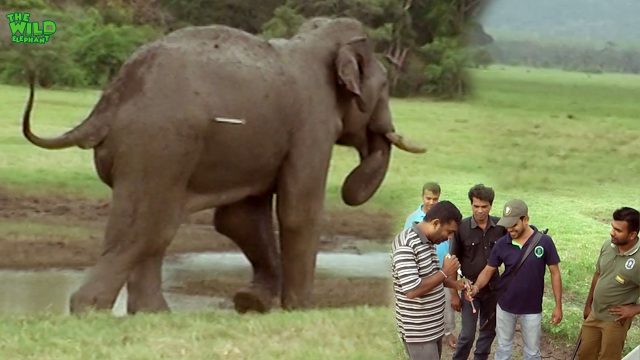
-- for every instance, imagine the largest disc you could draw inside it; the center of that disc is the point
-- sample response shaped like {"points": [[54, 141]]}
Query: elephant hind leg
{"points": [[144, 286], [249, 224], [141, 225]]}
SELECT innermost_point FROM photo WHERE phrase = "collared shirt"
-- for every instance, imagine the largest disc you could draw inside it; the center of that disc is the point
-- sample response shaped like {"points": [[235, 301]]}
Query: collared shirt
{"points": [[472, 245], [523, 293], [417, 216], [619, 281], [414, 257]]}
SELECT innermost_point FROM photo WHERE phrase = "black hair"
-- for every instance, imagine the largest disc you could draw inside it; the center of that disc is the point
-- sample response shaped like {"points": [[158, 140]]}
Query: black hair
{"points": [[434, 187], [482, 192], [445, 212], [630, 216]]}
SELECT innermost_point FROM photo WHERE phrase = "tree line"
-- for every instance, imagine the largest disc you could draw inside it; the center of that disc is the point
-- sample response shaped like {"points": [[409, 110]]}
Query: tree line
{"points": [[567, 55], [422, 42]]}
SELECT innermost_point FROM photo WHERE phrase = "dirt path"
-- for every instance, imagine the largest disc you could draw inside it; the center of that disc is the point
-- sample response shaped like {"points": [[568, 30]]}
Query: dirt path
{"points": [[550, 348], [39, 232]]}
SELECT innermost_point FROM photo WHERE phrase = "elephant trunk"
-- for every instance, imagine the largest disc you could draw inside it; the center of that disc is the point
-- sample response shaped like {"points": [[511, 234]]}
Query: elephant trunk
{"points": [[364, 180]]}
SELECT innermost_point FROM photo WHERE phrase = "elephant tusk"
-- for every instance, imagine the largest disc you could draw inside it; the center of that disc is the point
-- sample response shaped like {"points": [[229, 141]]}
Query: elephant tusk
{"points": [[230, 121], [399, 141]]}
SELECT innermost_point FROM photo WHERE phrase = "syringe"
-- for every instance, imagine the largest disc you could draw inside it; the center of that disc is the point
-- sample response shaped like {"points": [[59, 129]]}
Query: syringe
{"points": [[473, 307]]}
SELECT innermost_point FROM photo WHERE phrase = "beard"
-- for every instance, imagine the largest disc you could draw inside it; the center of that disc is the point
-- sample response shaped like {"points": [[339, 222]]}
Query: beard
{"points": [[515, 234], [616, 241]]}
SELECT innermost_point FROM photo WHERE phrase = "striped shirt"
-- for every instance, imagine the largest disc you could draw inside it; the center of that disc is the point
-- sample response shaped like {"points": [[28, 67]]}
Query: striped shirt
{"points": [[414, 257]]}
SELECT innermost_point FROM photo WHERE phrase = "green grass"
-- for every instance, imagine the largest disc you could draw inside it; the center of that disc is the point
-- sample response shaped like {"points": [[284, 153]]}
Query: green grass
{"points": [[564, 142], [359, 333], [15, 229], [36, 171]]}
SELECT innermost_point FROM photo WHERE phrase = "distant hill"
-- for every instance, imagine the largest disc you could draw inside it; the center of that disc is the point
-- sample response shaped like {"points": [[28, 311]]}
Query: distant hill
{"points": [[585, 20]]}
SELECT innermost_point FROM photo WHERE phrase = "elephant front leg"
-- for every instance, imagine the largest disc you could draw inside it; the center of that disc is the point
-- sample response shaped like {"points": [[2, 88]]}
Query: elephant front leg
{"points": [[300, 209], [249, 224], [299, 246]]}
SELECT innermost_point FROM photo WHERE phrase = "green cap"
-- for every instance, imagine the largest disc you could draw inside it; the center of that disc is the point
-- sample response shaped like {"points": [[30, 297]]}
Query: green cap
{"points": [[512, 212]]}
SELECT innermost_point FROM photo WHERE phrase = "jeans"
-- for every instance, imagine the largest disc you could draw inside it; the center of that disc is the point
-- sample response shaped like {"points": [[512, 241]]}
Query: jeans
{"points": [[485, 305], [530, 328]]}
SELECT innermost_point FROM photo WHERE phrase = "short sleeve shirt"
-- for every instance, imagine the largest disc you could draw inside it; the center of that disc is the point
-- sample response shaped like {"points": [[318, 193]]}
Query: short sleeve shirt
{"points": [[619, 281], [414, 257], [523, 294]]}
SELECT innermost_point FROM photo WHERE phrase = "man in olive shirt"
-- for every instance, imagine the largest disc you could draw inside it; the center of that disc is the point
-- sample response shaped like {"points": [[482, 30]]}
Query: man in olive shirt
{"points": [[472, 245], [613, 298]]}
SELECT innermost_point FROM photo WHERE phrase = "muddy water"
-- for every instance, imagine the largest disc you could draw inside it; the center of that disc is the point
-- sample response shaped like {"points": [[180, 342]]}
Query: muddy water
{"points": [[26, 292], [338, 264]]}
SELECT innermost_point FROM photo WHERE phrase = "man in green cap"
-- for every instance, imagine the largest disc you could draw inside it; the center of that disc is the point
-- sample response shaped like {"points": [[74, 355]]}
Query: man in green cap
{"points": [[521, 286], [612, 302]]}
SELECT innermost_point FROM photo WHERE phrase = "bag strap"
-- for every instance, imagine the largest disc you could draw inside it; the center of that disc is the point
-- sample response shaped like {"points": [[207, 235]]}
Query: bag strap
{"points": [[534, 242]]}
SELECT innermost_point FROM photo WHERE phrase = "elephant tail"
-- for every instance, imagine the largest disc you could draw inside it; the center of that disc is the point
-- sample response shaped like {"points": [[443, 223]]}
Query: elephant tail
{"points": [[86, 135]]}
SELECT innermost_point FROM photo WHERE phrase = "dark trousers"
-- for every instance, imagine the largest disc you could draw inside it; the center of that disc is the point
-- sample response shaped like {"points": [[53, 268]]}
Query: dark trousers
{"points": [[430, 350], [485, 303]]}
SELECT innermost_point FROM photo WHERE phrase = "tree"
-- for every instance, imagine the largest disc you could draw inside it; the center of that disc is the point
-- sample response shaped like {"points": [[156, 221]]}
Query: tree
{"points": [[415, 37], [422, 41], [248, 15], [284, 23]]}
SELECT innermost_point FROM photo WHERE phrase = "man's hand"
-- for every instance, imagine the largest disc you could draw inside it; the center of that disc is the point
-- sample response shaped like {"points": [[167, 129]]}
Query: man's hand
{"points": [[474, 291], [456, 303], [460, 285], [468, 290], [623, 312], [451, 265], [556, 317]]}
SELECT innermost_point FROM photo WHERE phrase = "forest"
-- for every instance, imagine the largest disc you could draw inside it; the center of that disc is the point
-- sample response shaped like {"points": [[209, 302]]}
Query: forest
{"points": [[420, 41], [426, 45]]}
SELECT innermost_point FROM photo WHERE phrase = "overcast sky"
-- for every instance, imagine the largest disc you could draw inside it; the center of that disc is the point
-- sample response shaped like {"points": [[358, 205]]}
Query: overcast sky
{"points": [[601, 20]]}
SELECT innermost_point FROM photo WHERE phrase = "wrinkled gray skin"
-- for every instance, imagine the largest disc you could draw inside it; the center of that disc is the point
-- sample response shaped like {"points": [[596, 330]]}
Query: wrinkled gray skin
{"points": [[160, 148]]}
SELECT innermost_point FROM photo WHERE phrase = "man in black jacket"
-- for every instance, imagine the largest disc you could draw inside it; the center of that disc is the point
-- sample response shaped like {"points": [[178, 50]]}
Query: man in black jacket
{"points": [[472, 245]]}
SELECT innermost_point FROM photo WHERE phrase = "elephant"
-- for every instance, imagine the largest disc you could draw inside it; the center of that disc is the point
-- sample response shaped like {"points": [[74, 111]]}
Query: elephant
{"points": [[213, 117]]}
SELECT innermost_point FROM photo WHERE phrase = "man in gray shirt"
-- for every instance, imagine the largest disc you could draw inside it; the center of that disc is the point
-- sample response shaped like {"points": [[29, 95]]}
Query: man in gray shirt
{"points": [[419, 281]]}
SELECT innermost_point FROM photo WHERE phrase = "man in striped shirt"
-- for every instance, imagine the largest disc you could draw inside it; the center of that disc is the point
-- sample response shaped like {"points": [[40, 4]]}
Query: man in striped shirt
{"points": [[419, 280]]}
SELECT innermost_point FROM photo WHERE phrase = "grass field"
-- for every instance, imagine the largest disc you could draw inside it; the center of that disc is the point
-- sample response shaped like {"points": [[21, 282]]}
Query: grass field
{"points": [[361, 333], [564, 142]]}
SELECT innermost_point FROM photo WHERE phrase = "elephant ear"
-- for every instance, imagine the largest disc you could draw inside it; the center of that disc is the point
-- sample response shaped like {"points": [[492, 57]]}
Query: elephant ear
{"points": [[351, 64]]}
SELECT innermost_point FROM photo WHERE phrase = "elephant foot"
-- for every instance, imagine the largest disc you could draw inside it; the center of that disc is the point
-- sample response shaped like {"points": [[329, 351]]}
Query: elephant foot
{"points": [[83, 301], [253, 298], [151, 304], [293, 302]]}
